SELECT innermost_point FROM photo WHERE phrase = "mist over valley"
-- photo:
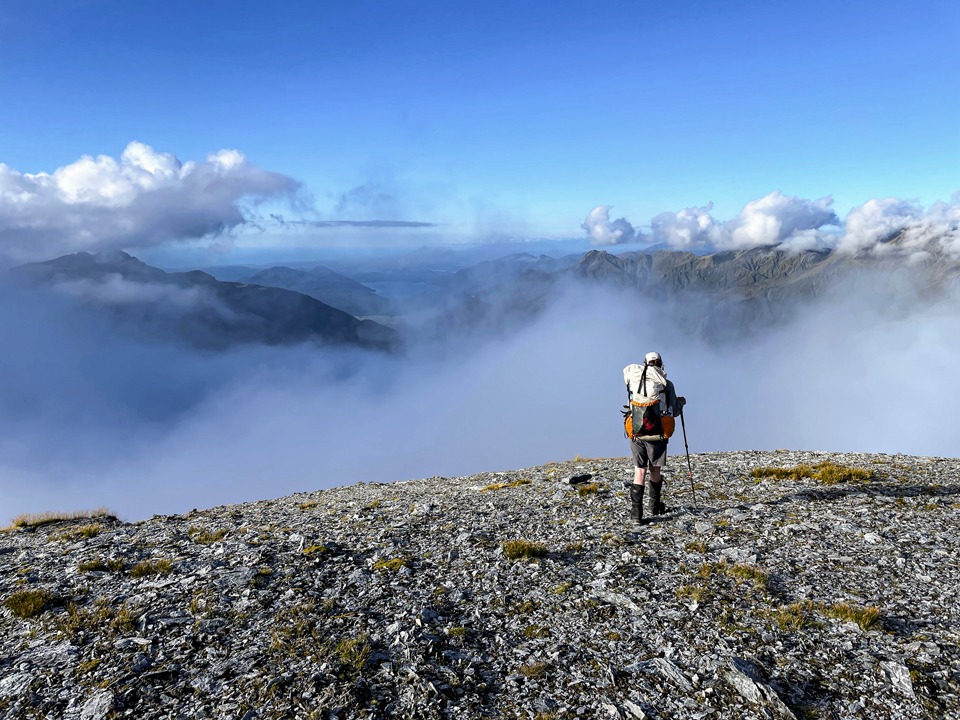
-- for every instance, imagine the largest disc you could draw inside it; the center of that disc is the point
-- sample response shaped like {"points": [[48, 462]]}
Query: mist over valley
{"points": [[154, 392]]}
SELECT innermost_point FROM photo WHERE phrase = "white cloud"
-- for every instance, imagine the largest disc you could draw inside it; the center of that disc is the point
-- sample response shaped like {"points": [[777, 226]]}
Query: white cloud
{"points": [[876, 221], [604, 232], [144, 199], [116, 290], [776, 217], [870, 228], [689, 229]]}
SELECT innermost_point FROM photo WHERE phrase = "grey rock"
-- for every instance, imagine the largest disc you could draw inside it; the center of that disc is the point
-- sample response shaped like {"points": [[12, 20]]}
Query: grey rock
{"points": [[15, 685], [97, 706], [642, 622], [900, 676], [740, 676]]}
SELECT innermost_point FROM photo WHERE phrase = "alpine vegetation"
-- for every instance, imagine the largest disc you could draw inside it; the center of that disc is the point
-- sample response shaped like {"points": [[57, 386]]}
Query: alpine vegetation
{"points": [[797, 585]]}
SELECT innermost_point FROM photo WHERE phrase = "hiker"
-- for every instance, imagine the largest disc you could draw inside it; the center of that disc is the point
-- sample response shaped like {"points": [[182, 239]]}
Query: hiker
{"points": [[658, 403]]}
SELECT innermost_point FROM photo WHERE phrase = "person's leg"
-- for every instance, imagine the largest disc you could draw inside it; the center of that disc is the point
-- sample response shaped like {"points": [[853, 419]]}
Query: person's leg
{"points": [[640, 459], [658, 458], [638, 474]]}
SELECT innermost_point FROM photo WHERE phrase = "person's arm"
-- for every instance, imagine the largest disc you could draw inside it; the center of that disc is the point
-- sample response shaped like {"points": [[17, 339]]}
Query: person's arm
{"points": [[673, 403]]}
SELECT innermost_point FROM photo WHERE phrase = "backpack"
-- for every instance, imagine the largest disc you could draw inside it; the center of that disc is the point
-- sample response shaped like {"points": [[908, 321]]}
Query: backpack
{"points": [[646, 417]]}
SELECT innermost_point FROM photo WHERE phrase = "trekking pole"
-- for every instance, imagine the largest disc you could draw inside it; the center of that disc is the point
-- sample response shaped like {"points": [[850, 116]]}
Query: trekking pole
{"points": [[687, 448]]}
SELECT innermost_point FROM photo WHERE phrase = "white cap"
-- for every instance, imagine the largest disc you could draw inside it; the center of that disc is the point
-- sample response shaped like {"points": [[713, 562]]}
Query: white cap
{"points": [[651, 357]]}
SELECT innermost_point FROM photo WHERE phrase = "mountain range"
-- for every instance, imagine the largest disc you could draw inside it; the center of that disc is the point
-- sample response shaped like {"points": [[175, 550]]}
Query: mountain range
{"points": [[719, 296], [196, 307]]}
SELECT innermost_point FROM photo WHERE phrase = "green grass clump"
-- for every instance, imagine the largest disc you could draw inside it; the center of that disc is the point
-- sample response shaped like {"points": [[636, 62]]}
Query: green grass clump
{"points": [[696, 592], [101, 618], [827, 473], [26, 604], [89, 666], [739, 571], [32, 520], [795, 616], [84, 532], [99, 564], [354, 652], [588, 489], [151, 567], [205, 537], [500, 486], [866, 617], [533, 670], [392, 565], [751, 573], [458, 632], [536, 631], [517, 549], [315, 550]]}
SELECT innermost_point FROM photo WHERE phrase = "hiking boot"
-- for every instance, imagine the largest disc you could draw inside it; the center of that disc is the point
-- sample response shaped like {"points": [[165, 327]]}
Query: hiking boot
{"points": [[656, 505], [636, 503]]}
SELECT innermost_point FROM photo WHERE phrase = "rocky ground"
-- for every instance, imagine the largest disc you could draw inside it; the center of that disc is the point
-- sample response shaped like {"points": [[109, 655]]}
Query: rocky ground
{"points": [[768, 598]]}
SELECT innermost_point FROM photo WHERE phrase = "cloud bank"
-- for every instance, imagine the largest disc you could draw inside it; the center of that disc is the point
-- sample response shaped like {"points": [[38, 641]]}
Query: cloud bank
{"points": [[879, 226], [88, 418], [144, 199], [602, 231]]}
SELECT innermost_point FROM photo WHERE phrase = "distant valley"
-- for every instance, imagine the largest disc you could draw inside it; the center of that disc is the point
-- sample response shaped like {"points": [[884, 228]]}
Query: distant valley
{"points": [[717, 297]]}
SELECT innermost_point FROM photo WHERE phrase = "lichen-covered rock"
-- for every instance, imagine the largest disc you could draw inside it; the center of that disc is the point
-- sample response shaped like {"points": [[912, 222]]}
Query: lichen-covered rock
{"points": [[510, 594]]}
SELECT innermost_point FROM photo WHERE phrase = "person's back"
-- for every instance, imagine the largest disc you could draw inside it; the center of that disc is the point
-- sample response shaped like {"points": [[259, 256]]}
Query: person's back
{"points": [[649, 390]]}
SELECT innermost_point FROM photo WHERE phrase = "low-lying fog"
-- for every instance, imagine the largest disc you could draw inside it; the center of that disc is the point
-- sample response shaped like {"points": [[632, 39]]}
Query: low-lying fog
{"points": [[89, 419]]}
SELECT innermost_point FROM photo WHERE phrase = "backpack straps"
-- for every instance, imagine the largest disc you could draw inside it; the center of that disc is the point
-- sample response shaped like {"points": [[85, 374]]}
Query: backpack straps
{"points": [[643, 381]]}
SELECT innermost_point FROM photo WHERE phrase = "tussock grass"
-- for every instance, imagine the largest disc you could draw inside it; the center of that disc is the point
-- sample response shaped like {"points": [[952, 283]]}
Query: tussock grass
{"points": [[500, 486], [26, 604], [517, 549], [826, 472], [354, 652], [149, 568], [697, 546], [391, 565], [84, 532], [795, 616], [588, 489], [101, 618], [865, 617], [695, 592], [535, 669], [99, 564], [33, 520], [738, 571], [800, 615], [206, 537], [536, 631]]}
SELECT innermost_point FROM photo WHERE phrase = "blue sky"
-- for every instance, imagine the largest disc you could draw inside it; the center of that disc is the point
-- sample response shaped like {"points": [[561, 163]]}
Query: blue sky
{"points": [[500, 118]]}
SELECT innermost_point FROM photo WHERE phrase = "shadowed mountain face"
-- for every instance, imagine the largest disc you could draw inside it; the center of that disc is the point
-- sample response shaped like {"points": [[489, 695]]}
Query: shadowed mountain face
{"points": [[719, 297], [327, 286], [196, 307]]}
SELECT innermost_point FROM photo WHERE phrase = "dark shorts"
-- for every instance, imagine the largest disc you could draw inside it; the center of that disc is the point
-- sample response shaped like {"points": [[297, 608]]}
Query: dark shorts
{"points": [[649, 452]]}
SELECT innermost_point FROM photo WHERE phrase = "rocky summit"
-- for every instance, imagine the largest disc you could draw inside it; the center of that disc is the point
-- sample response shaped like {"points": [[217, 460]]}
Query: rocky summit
{"points": [[793, 585]]}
